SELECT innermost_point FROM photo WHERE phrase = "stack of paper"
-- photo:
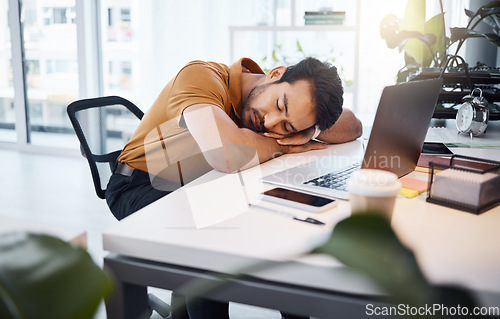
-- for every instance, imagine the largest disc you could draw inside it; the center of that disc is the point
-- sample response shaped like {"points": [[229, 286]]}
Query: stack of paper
{"points": [[470, 190]]}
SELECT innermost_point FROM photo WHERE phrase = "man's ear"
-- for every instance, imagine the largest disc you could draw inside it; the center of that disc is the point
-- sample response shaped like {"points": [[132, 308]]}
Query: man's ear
{"points": [[275, 74]]}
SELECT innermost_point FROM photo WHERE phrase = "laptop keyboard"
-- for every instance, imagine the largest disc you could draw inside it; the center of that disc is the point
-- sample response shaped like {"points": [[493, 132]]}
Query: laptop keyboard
{"points": [[337, 180]]}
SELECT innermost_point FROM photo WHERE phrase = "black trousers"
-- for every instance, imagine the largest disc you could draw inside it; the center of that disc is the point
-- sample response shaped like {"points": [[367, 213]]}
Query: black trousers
{"points": [[127, 194]]}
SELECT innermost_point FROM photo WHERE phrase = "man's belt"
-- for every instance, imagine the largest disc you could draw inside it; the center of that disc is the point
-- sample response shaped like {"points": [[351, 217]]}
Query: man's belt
{"points": [[123, 169]]}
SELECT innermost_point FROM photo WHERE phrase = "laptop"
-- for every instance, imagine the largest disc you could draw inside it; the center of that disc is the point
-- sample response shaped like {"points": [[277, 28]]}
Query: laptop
{"points": [[398, 133]]}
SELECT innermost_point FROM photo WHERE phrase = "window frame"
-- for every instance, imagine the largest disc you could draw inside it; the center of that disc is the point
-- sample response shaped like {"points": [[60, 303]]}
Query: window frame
{"points": [[87, 16]]}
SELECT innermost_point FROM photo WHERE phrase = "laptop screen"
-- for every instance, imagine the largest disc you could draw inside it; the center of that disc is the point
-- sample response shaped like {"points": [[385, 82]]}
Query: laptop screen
{"points": [[400, 126]]}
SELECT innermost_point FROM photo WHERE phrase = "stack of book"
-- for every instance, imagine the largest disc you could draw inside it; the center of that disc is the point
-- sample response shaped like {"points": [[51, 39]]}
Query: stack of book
{"points": [[324, 17]]}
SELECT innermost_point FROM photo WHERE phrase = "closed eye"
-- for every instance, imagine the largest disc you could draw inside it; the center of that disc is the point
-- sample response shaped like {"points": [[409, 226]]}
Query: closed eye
{"points": [[284, 123], [287, 128]]}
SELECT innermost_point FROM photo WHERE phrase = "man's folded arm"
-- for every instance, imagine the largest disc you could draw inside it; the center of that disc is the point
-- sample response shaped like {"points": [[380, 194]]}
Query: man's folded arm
{"points": [[229, 148], [347, 128]]}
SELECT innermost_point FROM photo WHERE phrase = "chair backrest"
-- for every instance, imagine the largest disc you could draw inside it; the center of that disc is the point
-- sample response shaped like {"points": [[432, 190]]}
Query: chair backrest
{"points": [[103, 126]]}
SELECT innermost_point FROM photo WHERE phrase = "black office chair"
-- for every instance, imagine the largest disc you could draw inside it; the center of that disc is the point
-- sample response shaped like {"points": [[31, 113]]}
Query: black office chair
{"points": [[99, 125], [99, 142]]}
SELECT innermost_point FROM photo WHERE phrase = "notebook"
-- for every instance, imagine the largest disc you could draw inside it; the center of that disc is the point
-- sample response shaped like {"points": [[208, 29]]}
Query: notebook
{"points": [[398, 133]]}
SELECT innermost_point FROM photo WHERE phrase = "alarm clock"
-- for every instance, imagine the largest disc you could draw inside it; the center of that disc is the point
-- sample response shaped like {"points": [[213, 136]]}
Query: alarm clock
{"points": [[472, 115]]}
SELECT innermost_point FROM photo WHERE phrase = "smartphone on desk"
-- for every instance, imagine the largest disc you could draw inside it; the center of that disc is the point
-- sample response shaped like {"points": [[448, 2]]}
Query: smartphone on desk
{"points": [[298, 200], [432, 148]]}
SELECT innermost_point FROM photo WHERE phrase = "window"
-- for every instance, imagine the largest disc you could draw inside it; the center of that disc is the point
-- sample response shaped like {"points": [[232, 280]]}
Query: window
{"points": [[125, 15], [110, 17], [58, 15], [120, 48], [33, 67], [119, 76], [126, 68], [7, 111], [144, 43], [118, 21], [51, 72]]}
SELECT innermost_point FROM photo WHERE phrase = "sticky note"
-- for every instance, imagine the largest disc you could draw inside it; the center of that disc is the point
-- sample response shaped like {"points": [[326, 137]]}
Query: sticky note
{"points": [[415, 184], [407, 192]]}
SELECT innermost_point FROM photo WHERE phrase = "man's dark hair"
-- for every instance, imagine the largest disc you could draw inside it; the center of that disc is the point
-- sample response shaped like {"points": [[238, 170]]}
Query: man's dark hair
{"points": [[326, 87]]}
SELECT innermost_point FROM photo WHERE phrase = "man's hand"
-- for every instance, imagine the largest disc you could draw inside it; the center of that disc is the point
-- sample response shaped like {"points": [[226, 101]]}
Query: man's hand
{"points": [[299, 138], [309, 146]]}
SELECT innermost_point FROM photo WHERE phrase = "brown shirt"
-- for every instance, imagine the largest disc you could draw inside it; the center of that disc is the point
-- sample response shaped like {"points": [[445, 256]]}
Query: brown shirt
{"points": [[197, 82]]}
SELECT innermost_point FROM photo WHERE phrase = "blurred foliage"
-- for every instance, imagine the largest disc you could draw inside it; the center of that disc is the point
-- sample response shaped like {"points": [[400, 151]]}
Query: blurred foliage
{"points": [[44, 277], [367, 243], [425, 43]]}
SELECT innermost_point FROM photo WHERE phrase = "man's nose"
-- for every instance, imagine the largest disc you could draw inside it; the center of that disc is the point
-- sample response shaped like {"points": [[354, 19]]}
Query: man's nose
{"points": [[272, 119]]}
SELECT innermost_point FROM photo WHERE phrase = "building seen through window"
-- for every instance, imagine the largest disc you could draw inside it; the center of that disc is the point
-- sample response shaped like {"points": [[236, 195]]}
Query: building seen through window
{"points": [[50, 48], [142, 44]]}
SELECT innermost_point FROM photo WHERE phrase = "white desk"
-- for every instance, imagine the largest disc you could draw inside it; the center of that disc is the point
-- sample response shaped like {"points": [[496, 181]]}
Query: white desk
{"points": [[159, 246]]}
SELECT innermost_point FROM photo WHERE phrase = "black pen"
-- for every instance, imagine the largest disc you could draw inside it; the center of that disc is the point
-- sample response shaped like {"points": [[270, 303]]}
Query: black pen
{"points": [[295, 217]]}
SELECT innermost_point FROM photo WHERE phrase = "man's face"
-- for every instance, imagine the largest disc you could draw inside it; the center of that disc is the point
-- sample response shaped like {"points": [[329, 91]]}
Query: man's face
{"points": [[281, 108]]}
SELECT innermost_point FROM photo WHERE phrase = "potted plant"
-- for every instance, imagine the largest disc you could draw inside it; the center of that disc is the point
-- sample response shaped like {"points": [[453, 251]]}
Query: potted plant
{"points": [[425, 43], [45, 277]]}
